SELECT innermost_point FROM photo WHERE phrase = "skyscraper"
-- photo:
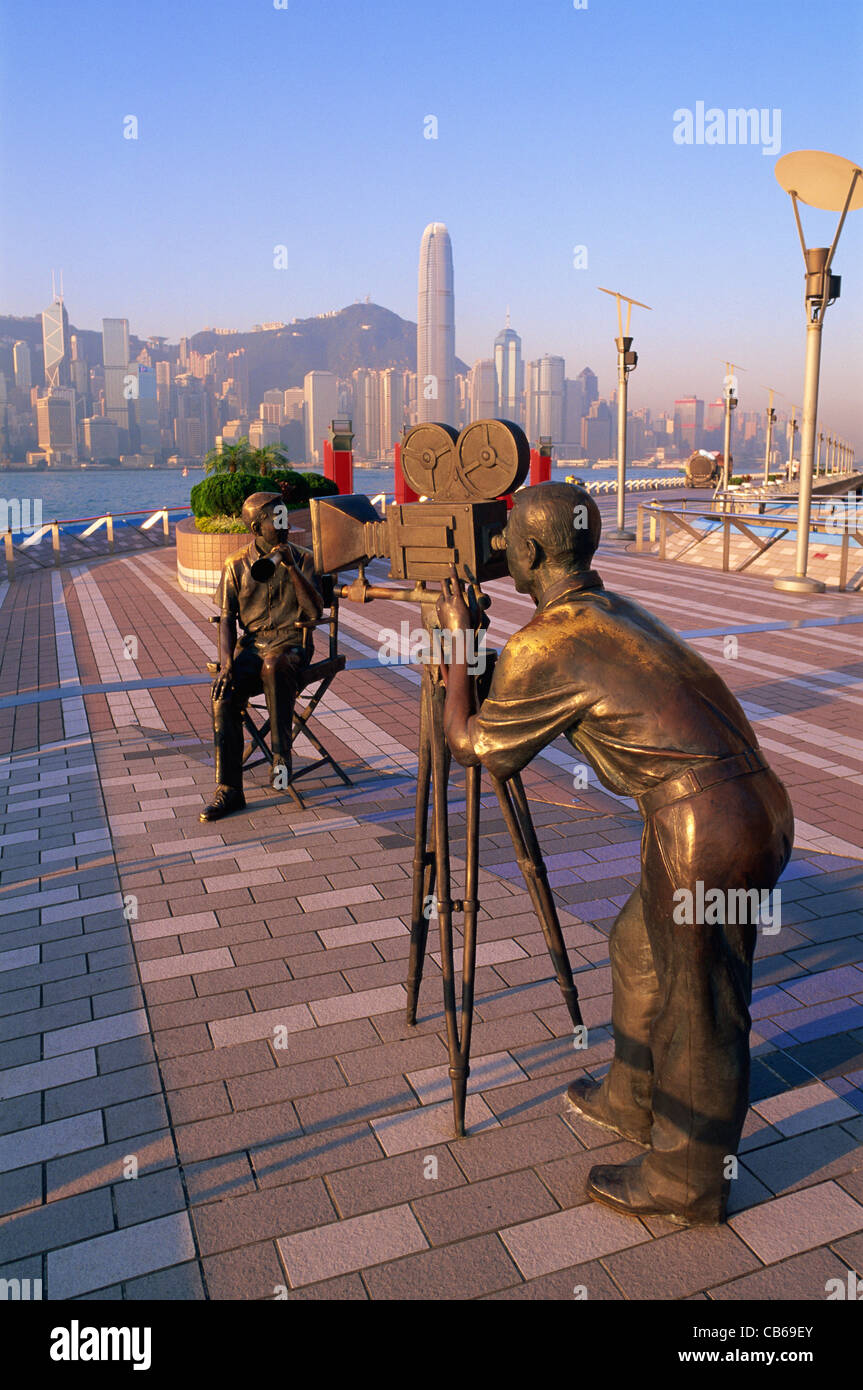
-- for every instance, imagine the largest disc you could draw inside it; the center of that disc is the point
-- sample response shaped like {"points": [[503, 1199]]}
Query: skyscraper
{"points": [[115, 356], [321, 398], [590, 386], [55, 339], [688, 423], [510, 374], [392, 408], [544, 399], [436, 328], [23, 366], [483, 391]]}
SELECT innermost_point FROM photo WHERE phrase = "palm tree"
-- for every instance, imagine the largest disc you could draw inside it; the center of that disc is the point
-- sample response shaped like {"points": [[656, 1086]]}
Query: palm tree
{"points": [[230, 458], [267, 459]]}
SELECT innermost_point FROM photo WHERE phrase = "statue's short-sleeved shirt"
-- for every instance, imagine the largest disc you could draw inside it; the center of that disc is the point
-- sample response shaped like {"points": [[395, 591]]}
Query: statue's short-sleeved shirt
{"points": [[634, 700], [267, 613]]}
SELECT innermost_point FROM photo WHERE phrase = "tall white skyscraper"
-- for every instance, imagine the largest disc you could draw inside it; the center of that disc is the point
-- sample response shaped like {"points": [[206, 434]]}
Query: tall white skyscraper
{"points": [[510, 374], [436, 328], [321, 406]]}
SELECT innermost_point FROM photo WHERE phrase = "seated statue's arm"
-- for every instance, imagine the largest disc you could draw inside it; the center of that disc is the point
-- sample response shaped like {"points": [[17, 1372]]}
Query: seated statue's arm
{"points": [[308, 597]]}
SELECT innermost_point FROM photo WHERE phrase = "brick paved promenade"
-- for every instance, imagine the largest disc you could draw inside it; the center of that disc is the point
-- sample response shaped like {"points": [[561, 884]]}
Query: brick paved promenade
{"points": [[220, 1009]]}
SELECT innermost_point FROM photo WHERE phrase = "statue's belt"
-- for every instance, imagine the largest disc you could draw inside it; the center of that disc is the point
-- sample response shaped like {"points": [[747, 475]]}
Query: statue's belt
{"points": [[698, 779]]}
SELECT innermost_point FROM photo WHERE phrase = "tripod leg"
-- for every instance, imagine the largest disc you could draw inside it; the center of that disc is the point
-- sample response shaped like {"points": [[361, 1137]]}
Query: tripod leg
{"points": [[471, 907], [519, 823], [423, 864], [458, 1069]]}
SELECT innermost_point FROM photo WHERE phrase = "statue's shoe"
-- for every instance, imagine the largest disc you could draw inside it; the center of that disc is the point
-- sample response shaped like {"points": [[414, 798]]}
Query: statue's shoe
{"points": [[588, 1098], [226, 800], [622, 1187]]}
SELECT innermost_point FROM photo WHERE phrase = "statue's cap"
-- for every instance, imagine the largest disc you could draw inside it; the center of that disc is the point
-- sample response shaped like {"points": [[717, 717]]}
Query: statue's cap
{"points": [[256, 503]]}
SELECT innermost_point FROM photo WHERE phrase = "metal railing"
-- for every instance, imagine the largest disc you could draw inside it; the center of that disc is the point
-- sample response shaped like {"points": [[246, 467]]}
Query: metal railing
{"points": [[682, 515], [29, 547]]}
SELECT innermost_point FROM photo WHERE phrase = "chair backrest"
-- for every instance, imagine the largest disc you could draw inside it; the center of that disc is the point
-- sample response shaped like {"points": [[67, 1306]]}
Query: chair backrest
{"points": [[330, 598]]}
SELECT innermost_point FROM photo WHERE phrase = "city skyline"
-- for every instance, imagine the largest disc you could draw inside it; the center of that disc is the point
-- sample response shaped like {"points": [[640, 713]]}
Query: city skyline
{"points": [[548, 188]]}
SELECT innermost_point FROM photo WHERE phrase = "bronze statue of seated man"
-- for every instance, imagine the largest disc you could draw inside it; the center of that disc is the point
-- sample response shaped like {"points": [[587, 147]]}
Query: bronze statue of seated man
{"points": [[657, 723], [276, 617]]}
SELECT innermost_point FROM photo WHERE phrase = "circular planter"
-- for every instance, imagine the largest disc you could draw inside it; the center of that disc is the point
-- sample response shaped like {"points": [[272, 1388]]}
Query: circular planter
{"points": [[201, 555]]}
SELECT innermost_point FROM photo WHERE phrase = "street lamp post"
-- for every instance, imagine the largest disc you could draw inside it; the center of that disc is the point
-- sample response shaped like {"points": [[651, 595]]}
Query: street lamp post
{"points": [[830, 182], [818, 455], [771, 421], [627, 361], [729, 389], [771, 417], [790, 433]]}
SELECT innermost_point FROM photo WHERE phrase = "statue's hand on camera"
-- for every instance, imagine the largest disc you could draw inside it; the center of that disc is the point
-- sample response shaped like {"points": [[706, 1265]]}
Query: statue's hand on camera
{"points": [[452, 611]]}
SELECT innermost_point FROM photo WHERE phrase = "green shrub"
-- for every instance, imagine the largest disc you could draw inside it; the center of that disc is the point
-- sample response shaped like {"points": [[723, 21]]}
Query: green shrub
{"points": [[293, 486], [221, 525], [319, 486], [223, 494]]}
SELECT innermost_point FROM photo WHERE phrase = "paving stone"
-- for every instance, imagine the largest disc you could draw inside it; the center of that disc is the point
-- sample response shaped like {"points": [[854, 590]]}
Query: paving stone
{"points": [[46, 1141], [120, 1255], [254, 1272], [91, 1169], [789, 1225], [102, 1091], [483, 1206], [800, 1279], [675, 1266], [183, 1282], [588, 1282], [467, 1270], [148, 1196], [807, 1107], [431, 1125], [245, 1219], [346, 1246], [86, 1035], [57, 1224], [590, 1231], [39, 1076]]}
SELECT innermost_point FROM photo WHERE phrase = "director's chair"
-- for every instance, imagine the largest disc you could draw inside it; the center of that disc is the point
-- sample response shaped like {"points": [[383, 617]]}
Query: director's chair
{"points": [[317, 677]]}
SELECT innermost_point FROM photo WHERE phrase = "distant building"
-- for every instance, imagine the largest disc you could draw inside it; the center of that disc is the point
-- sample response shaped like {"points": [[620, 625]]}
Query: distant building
{"points": [[23, 366], [574, 410], [321, 405], [544, 399], [596, 432], [101, 438], [589, 386], [193, 425], [262, 434], [509, 369], [115, 357], [55, 341], [146, 409], [56, 426], [688, 424], [436, 327], [391, 410], [483, 390]]}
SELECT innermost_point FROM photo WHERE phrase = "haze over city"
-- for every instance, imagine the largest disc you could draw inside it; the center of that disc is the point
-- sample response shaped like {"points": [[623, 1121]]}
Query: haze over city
{"points": [[205, 138]]}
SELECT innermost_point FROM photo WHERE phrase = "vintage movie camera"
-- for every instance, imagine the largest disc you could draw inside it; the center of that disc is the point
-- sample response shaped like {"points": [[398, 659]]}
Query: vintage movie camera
{"points": [[464, 477]]}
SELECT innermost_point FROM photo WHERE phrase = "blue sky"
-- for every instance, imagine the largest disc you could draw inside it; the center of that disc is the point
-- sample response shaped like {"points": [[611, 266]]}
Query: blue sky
{"points": [[303, 127]]}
